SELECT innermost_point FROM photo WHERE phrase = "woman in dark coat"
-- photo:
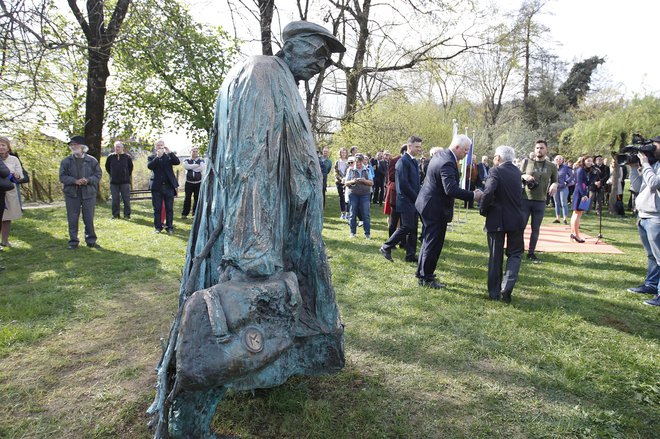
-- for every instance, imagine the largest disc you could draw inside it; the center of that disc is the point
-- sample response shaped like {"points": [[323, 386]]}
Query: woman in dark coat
{"points": [[584, 176]]}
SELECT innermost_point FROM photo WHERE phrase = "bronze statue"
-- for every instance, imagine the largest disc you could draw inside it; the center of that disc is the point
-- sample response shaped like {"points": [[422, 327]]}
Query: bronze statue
{"points": [[257, 303]]}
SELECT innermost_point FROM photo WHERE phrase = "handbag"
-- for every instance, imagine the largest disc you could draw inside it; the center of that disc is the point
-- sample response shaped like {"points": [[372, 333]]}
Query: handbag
{"points": [[584, 205]]}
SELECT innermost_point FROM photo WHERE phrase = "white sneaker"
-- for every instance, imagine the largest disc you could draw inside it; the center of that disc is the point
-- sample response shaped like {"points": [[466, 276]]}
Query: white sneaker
{"points": [[352, 235], [360, 223], [367, 236]]}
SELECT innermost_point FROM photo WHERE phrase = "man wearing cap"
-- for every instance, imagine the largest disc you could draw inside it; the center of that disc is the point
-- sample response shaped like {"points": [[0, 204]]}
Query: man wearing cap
{"points": [[80, 174], [645, 180], [261, 208], [119, 166], [195, 167]]}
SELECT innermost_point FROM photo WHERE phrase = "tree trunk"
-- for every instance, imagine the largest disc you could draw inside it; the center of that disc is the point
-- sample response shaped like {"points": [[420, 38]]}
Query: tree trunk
{"points": [[265, 21], [97, 75], [353, 76]]}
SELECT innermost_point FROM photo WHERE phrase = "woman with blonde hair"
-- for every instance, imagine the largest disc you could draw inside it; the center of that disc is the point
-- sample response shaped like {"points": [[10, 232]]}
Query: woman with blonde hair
{"points": [[12, 209]]}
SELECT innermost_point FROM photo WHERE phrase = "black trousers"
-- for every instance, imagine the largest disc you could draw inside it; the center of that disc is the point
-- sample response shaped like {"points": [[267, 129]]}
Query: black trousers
{"points": [[514, 250], [191, 189], [434, 240], [406, 233], [165, 193], [342, 200], [379, 190], [535, 209], [122, 191]]}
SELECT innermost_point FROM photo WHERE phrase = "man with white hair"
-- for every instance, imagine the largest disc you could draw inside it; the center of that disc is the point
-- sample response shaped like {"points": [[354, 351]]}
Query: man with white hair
{"points": [[502, 206], [435, 204], [80, 174]]}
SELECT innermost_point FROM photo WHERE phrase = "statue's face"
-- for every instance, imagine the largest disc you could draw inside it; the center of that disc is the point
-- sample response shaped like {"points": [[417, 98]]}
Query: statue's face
{"points": [[306, 56]]}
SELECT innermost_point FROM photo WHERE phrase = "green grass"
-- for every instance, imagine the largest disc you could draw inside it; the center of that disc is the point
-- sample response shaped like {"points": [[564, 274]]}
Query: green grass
{"points": [[575, 355]]}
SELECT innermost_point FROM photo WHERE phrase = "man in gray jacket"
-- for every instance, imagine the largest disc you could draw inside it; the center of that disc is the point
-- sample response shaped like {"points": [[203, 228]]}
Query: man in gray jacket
{"points": [[80, 174], [647, 203]]}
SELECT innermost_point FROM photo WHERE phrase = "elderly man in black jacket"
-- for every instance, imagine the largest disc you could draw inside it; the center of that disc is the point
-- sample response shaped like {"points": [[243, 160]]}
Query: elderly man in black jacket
{"points": [[163, 185], [435, 203], [502, 207], [120, 168]]}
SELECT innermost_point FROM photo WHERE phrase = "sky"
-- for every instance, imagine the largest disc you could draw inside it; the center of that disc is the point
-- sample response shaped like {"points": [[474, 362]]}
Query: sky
{"points": [[618, 31], [579, 29]]}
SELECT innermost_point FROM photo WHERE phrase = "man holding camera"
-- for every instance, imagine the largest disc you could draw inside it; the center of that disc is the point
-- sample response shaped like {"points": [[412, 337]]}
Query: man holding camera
{"points": [[539, 177], [647, 185]]}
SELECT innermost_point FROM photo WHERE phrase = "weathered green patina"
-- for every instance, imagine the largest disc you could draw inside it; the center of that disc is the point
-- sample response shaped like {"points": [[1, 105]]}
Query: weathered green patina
{"points": [[257, 303]]}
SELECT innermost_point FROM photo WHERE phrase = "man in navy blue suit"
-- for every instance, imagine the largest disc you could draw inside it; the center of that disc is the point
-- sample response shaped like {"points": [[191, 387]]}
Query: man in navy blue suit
{"points": [[435, 203], [407, 188], [502, 206], [163, 184]]}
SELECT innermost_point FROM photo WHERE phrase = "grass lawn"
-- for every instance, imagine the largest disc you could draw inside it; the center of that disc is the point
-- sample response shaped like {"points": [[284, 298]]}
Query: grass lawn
{"points": [[574, 355]]}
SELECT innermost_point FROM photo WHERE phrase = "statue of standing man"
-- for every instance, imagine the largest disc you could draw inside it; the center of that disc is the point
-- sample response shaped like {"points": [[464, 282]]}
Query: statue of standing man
{"points": [[257, 303]]}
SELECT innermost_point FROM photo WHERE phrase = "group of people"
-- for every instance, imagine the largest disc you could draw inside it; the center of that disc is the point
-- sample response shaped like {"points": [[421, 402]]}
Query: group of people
{"points": [[510, 195], [80, 175]]}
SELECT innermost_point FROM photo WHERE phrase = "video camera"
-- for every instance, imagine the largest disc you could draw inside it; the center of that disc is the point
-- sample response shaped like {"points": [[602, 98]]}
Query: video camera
{"points": [[628, 155]]}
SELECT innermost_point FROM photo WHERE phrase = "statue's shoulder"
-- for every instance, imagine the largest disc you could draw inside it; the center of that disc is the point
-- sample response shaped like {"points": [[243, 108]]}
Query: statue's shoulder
{"points": [[260, 65]]}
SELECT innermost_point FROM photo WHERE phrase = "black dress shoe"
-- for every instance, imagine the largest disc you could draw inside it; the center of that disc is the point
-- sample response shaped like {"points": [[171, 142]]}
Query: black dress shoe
{"points": [[386, 254], [93, 245], [72, 247], [412, 258], [431, 284], [506, 296]]}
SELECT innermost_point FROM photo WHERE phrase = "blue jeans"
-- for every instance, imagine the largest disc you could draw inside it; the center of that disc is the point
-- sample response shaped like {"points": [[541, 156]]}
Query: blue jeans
{"points": [[649, 232], [360, 204], [561, 202]]}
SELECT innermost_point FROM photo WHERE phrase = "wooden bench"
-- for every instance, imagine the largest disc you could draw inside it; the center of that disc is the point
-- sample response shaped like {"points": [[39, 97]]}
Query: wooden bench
{"points": [[144, 194]]}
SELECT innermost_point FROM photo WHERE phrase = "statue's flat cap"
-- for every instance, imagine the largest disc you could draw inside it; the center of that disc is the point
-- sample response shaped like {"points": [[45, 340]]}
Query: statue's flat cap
{"points": [[303, 28]]}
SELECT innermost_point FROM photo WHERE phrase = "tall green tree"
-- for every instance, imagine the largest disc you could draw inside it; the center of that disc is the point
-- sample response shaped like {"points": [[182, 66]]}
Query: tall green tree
{"points": [[170, 66], [100, 34], [578, 82]]}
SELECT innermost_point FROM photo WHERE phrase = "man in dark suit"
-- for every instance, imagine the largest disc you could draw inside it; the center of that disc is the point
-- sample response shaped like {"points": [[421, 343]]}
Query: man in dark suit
{"points": [[163, 185], [502, 206], [407, 188], [435, 203]]}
